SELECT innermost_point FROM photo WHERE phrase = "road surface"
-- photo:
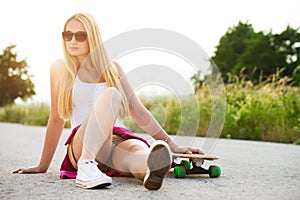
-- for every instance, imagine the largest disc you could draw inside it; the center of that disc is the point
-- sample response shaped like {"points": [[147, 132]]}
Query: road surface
{"points": [[250, 170]]}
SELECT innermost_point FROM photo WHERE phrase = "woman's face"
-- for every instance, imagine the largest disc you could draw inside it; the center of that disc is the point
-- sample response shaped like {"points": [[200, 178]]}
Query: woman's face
{"points": [[76, 39]]}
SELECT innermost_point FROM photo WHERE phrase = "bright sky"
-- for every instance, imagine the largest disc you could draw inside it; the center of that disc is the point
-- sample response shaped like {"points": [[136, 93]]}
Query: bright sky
{"points": [[35, 26]]}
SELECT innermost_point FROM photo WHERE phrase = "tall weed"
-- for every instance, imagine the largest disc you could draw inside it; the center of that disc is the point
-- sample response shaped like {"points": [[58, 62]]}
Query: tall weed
{"points": [[267, 111]]}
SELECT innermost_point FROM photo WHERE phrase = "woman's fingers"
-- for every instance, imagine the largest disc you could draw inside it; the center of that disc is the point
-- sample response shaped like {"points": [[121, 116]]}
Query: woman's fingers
{"points": [[27, 170], [193, 151], [17, 171], [200, 152]]}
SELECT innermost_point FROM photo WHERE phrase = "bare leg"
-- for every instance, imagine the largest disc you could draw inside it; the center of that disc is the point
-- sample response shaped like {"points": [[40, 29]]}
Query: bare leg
{"points": [[95, 135], [130, 158], [151, 165]]}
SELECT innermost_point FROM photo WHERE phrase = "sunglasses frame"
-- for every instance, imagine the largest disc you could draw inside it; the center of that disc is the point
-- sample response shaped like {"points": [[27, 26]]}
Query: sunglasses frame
{"points": [[78, 36]]}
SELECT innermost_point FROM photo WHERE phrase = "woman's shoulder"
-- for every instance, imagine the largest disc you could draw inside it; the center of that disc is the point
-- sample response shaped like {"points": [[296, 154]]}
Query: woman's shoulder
{"points": [[117, 67], [57, 66], [57, 63]]}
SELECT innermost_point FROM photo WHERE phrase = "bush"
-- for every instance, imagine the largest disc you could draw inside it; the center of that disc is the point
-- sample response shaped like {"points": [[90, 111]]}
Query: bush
{"points": [[33, 114], [268, 111]]}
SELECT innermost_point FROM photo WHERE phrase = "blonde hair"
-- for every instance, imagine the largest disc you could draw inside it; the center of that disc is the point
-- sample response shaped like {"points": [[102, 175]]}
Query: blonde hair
{"points": [[98, 58]]}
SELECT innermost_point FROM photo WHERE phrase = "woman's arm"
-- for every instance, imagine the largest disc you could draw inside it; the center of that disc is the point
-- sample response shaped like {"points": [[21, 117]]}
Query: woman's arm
{"points": [[54, 127], [146, 120]]}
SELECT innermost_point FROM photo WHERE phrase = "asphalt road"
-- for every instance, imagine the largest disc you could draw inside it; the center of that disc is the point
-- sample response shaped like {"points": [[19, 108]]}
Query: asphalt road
{"points": [[250, 170]]}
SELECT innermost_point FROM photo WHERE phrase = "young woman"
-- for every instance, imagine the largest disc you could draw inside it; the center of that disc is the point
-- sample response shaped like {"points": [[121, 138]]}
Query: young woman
{"points": [[94, 94]]}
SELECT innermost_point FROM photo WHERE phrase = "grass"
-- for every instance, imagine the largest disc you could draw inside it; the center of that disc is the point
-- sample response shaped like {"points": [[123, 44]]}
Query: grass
{"points": [[35, 114], [268, 111], [32, 114]]}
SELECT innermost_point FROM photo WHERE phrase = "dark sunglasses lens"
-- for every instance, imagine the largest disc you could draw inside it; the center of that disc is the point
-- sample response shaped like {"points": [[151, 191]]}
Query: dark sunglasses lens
{"points": [[80, 36], [67, 36]]}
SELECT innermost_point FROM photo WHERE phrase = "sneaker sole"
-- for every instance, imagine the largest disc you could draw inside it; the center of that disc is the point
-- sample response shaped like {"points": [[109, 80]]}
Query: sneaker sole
{"points": [[159, 164], [95, 184]]}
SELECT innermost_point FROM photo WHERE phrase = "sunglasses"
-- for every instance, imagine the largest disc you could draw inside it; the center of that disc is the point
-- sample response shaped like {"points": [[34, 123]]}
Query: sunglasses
{"points": [[80, 36]]}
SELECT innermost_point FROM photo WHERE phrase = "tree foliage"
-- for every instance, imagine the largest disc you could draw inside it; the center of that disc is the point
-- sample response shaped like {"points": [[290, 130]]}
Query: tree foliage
{"points": [[258, 53], [231, 46], [14, 78], [287, 44]]}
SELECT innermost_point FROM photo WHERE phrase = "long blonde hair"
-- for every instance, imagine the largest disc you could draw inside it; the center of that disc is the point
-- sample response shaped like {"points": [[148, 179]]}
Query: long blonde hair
{"points": [[98, 58]]}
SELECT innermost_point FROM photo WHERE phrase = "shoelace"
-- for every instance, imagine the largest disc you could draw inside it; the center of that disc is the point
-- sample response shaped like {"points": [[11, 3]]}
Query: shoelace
{"points": [[90, 161]]}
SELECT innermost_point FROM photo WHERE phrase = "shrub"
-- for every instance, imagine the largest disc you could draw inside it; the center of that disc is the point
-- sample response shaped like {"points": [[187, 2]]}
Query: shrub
{"points": [[268, 111], [32, 114]]}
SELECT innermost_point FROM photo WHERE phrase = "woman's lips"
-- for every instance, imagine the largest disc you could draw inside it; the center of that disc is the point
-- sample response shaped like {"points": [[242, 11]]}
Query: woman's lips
{"points": [[73, 48]]}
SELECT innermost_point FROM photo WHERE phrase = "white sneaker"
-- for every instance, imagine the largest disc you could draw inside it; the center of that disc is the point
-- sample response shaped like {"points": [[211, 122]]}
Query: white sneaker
{"points": [[89, 176], [159, 163]]}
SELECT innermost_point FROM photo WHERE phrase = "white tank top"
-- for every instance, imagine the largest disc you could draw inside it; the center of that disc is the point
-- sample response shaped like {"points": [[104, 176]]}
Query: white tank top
{"points": [[84, 96]]}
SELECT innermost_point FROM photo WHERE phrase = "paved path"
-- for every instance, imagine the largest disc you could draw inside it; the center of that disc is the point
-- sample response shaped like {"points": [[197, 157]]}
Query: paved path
{"points": [[250, 170]]}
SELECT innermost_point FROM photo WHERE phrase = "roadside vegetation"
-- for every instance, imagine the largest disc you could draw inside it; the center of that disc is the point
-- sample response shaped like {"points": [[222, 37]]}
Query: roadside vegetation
{"points": [[268, 111]]}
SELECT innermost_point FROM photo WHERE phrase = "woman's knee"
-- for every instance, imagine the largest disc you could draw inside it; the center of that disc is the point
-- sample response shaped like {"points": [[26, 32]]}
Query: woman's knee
{"points": [[110, 95]]}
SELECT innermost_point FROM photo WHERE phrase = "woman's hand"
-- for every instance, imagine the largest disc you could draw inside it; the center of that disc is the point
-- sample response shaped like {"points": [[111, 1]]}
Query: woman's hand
{"points": [[187, 150], [29, 170]]}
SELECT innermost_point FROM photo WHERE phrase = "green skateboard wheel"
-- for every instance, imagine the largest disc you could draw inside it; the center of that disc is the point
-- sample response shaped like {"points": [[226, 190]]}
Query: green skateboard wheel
{"points": [[179, 171], [214, 171], [186, 164]]}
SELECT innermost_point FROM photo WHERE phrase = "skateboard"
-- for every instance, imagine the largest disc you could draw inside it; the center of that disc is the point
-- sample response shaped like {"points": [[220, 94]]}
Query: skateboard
{"points": [[185, 164]]}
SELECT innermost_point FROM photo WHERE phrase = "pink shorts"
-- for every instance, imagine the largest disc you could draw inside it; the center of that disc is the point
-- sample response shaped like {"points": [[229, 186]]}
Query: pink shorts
{"points": [[68, 169]]}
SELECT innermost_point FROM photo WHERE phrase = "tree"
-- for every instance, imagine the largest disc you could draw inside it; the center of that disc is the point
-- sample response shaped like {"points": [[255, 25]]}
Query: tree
{"points": [[197, 80], [287, 44], [259, 55], [231, 46], [243, 48], [14, 78]]}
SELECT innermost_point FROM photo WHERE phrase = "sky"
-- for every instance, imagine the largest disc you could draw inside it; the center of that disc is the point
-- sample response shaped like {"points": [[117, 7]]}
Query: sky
{"points": [[35, 27]]}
